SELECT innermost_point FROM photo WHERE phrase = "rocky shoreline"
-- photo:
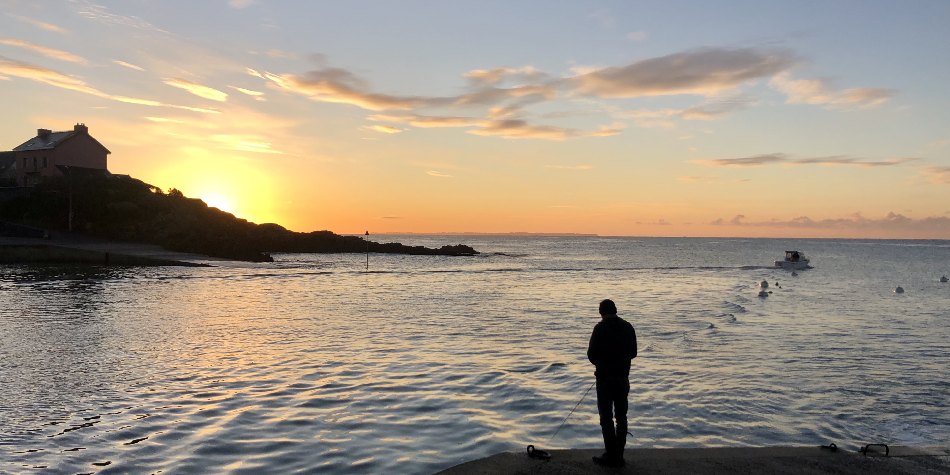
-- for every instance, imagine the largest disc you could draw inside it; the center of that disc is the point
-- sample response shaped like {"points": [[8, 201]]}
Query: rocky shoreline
{"points": [[123, 209]]}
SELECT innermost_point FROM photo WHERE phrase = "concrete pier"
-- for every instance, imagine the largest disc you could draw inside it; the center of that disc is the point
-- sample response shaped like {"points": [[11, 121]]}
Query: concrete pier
{"points": [[751, 460]]}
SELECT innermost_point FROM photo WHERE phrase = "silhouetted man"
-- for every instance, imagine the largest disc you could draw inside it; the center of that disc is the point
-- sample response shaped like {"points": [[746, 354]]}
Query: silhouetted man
{"points": [[613, 343]]}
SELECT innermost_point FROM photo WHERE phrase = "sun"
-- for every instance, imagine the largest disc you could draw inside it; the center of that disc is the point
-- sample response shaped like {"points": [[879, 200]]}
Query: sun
{"points": [[231, 184], [217, 200]]}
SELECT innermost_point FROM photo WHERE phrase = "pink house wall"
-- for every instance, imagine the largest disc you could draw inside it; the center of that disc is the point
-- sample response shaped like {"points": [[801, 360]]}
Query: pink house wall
{"points": [[79, 150]]}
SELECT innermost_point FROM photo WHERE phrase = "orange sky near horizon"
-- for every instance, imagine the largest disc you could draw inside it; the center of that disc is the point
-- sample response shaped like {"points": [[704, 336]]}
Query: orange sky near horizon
{"points": [[632, 119]]}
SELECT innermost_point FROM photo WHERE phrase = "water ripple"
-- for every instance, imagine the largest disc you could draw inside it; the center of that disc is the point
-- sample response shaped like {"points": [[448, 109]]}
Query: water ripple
{"points": [[313, 365]]}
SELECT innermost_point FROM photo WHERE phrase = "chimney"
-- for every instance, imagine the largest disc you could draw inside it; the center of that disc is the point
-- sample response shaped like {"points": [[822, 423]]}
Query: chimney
{"points": [[81, 128], [43, 133]]}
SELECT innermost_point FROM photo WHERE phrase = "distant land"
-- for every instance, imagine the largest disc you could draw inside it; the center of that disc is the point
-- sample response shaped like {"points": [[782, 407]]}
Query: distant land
{"points": [[122, 208], [474, 233]]}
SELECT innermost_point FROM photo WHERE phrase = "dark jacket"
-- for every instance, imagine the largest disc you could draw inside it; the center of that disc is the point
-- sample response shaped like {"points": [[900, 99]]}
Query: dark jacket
{"points": [[613, 343]]}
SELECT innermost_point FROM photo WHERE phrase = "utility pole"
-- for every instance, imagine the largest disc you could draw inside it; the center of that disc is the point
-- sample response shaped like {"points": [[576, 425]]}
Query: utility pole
{"points": [[69, 179], [367, 250]]}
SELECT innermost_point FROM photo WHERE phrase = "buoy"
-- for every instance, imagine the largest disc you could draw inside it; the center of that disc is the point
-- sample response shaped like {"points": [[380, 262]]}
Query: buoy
{"points": [[764, 284], [899, 290], [763, 293]]}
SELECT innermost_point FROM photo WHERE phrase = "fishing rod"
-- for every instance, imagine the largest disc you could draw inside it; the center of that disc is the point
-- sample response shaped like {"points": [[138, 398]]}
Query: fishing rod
{"points": [[572, 411], [541, 454]]}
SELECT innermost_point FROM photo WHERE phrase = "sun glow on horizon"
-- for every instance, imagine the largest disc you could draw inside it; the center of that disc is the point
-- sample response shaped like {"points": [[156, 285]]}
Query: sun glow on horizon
{"points": [[216, 200], [228, 182]]}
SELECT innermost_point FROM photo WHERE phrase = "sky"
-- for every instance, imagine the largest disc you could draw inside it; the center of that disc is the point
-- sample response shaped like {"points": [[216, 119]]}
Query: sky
{"points": [[666, 118]]}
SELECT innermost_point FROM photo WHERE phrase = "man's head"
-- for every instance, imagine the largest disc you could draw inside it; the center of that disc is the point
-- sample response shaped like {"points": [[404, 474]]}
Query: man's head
{"points": [[607, 307]]}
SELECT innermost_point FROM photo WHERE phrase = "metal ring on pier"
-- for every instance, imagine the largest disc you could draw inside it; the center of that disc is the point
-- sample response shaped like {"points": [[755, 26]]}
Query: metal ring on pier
{"points": [[887, 449]]}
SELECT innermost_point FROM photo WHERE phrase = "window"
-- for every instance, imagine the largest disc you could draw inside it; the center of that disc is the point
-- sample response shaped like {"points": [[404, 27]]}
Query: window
{"points": [[44, 162], [34, 163]]}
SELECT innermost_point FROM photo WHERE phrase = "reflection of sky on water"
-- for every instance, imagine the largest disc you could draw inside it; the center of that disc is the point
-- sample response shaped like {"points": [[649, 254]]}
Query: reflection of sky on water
{"points": [[313, 364]]}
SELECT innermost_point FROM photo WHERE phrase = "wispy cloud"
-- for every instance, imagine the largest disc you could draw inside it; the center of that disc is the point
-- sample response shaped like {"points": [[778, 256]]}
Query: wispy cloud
{"points": [[491, 77], [384, 129], [50, 77], [668, 118], [716, 108], [257, 95], [40, 24], [508, 128], [438, 174], [771, 158], [237, 130], [101, 14], [505, 101], [938, 175], [520, 129], [852, 162], [337, 85], [198, 89], [890, 222], [164, 120], [128, 65], [43, 50], [427, 122], [752, 161], [245, 143], [23, 70], [819, 92], [704, 72]]}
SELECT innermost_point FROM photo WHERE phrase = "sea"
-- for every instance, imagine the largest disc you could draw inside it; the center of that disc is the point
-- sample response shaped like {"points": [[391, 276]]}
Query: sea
{"points": [[353, 363]]}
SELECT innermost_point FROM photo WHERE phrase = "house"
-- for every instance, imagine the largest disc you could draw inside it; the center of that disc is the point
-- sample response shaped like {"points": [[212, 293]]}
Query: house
{"points": [[7, 169], [51, 154]]}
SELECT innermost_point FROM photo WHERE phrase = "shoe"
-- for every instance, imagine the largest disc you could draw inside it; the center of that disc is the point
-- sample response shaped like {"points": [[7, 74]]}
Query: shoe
{"points": [[607, 460], [602, 460], [610, 442]]}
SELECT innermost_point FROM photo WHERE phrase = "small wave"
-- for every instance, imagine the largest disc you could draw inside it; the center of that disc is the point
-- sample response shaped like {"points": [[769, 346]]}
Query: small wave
{"points": [[524, 369], [503, 269], [727, 317], [736, 308], [555, 366]]}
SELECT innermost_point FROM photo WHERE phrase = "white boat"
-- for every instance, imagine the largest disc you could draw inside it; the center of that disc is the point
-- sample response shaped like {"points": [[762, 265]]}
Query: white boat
{"points": [[794, 260]]}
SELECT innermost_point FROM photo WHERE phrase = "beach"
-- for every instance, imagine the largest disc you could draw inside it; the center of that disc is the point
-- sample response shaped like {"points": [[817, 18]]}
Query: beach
{"points": [[64, 248]]}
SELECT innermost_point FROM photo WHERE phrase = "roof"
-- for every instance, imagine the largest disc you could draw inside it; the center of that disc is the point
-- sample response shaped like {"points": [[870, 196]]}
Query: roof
{"points": [[51, 140], [46, 142]]}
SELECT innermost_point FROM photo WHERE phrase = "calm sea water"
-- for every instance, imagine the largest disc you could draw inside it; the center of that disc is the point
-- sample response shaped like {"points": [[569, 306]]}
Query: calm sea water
{"points": [[313, 365]]}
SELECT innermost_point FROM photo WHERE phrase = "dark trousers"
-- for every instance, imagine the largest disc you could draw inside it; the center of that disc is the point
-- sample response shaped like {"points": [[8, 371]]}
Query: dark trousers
{"points": [[612, 403]]}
